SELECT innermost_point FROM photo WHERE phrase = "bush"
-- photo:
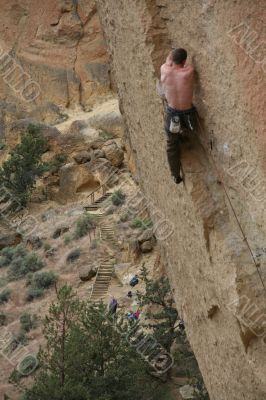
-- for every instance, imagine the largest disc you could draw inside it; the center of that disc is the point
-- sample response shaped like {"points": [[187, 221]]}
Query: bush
{"points": [[42, 280], [5, 296], [85, 224], [34, 293], [106, 135], [3, 318], [118, 198], [3, 282], [68, 238], [38, 283], [3, 262], [20, 339], [57, 162], [28, 322], [139, 223], [47, 246], [20, 261], [124, 217], [8, 253], [73, 256], [19, 173]]}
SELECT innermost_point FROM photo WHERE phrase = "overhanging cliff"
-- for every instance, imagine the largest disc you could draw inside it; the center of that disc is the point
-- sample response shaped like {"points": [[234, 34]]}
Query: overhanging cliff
{"points": [[216, 250]]}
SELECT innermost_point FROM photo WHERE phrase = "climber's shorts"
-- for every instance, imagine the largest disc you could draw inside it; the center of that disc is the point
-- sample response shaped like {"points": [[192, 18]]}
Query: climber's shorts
{"points": [[180, 122]]}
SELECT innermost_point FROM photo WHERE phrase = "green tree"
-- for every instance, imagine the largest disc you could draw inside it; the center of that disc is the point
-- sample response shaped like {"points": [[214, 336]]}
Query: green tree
{"points": [[163, 318], [54, 380], [19, 173], [87, 357]]}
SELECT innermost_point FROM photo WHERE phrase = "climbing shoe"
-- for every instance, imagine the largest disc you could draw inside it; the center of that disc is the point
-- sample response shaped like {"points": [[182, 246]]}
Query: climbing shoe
{"points": [[178, 180]]}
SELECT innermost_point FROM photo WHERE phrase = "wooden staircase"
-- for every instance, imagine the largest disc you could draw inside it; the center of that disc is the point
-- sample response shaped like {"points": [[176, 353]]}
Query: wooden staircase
{"points": [[102, 281], [106, 268], [96, 205]]}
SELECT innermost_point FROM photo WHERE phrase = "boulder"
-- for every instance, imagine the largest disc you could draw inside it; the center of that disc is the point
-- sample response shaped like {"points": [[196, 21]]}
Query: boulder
{"points": [[121, 272], [110, 121], [187, 392], [98, 154], [146, 241], [82, 157], [113, 153], [97, 143], [146, 235], [87, 273], [77, 127], [147, 246], [8, 236], [71, 143], [75, 178], [102, 170]]}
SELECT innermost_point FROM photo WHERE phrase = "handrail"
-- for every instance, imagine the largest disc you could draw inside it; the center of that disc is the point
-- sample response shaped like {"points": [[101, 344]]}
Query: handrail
{"points": [[103, 186]]}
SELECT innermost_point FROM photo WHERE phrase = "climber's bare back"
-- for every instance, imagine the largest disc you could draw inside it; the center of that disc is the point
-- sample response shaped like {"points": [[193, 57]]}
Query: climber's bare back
{"points": [[177, 83]]}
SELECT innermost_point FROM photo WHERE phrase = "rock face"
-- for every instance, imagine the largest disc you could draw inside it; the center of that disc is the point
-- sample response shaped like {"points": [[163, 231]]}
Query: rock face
{"points": [[219, 292], [51, 53]]}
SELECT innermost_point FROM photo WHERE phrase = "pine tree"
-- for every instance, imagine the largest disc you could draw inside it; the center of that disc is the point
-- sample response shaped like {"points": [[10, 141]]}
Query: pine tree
{"points": [[163, 320], [87, 357], [54, 381], [18, 174]]}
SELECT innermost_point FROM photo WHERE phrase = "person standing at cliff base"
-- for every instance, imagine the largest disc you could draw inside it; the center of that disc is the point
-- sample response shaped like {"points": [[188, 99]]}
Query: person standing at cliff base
{"points": [[177, 84]]}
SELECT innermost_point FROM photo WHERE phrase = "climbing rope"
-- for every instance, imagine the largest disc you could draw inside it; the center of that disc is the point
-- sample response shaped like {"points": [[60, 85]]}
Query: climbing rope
{"points": [[234, 212]]}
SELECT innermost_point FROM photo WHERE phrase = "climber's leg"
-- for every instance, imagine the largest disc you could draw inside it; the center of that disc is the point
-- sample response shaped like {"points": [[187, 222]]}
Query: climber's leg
{"points": [[173, 150], [173, 155]]}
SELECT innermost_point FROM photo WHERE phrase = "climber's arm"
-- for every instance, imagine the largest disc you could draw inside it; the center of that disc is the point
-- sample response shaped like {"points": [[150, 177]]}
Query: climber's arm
{"points": [[169, 60], [188, 71]]}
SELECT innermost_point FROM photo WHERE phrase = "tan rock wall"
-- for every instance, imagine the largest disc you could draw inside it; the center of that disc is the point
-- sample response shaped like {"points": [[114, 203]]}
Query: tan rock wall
{"points": [[219, 217], [59, 44]]}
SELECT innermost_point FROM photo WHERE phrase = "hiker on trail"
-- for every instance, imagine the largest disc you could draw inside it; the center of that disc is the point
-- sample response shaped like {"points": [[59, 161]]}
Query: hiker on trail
{"points": [[134, 281], [137, 315], [113, 306], [130, 316], [177, 82]]}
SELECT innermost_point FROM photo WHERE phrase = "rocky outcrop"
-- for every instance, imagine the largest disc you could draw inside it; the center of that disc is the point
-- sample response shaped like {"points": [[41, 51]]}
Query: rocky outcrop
{"points": [[113, 153], [146, 241], [217, 218], [75, 178], [52, 53]]}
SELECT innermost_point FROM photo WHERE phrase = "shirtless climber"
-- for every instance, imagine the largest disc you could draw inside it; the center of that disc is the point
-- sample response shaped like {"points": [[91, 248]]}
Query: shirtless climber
{"points": [[177, 81]]}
